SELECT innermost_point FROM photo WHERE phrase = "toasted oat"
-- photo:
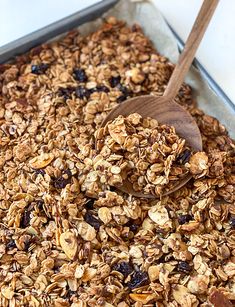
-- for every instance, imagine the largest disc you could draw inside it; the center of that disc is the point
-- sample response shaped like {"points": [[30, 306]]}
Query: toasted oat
{"points": [[67, 236]]}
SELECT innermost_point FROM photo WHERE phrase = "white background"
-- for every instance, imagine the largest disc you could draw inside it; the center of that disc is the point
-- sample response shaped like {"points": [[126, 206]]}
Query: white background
{"points": [[216, 53]]}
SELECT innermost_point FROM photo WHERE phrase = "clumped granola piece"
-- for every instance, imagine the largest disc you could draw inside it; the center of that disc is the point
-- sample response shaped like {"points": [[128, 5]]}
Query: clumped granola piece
{"points": [[147, 153], [67, 236]]}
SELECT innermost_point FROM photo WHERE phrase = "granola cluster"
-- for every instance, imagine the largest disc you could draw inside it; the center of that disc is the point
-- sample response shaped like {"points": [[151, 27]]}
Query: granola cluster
{"points": [[67, 239], [140, 150]]}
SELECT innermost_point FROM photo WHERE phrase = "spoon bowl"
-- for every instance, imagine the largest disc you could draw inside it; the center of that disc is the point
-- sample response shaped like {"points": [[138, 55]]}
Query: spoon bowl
{"points": [[164, 111]]}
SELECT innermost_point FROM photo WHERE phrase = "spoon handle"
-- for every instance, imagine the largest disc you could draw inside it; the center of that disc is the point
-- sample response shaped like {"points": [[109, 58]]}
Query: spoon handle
{"points": [[190, 48]]}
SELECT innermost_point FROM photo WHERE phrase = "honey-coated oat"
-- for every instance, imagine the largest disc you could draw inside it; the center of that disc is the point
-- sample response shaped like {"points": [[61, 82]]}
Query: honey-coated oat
{"points": [[68, 237]]}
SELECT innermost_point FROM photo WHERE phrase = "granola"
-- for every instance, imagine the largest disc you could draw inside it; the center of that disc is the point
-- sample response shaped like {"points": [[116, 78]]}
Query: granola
{"points": [[140, 150], [68, 239]]}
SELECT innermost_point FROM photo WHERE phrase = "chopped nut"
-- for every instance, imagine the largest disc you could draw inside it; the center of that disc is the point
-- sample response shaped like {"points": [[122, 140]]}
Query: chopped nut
{"points": [[41, 161]]}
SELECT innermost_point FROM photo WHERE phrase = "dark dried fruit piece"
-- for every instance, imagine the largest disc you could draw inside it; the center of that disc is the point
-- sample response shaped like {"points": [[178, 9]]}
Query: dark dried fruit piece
{"points": [[184, 156], [114, 81], [124, 90], [40, 204], [121, 98], [63, 180], [92, 220], [90, 204], [184, 267], [40, 171], [232, 222], [82, 92], [123, 267], [184, 218], [80, 75], [66, 93], [11, 244], [133, 225], [138, 279], [25, 218], [39, 69], [102, 88]]}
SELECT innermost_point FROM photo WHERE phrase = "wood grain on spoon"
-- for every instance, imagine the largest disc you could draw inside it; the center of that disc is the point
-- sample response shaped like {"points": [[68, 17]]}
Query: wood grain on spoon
{"points": [[163, 108]]}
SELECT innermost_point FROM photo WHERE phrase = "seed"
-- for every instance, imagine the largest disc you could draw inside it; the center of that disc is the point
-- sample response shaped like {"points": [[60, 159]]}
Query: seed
{"points": [[138, 279], [80, 75], [184, 218], [123, 267], [184, 267], [39, 69], [90, 204]]}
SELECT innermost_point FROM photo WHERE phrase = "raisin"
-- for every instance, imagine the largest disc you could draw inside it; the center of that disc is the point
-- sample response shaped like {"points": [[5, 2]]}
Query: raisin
{"points": [[66, 93], [114, 81], [184, 156], [133, 225], [102, 88], [11, 244], [92, 220], [25, 218], [39, 69], [40, 171], [80, 75], [232, 222], [123, 267], [138, 279], [63, 180], [40, 204], [90, 204], [124, 90], [184, 218], [27, 244], [184, 267], [121, 98], [82, 92]]}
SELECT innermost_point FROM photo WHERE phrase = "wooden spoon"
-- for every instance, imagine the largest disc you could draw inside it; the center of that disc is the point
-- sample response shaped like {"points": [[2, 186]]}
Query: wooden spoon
{"points": [[163, 108]]}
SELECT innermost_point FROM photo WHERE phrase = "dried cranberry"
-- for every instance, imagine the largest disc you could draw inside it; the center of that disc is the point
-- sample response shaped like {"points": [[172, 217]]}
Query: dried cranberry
{"points": [[114, 81], [39, 69], [138, 279], [92, 220], [80, 75], [184, 267], [184, 156], [11, 244], [82, 92], [184, 218], [232, 222], [123, 267], [63, 180], [66, 93]]}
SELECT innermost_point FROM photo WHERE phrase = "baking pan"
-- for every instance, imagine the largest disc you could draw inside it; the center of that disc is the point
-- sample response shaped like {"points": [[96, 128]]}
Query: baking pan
{"points": [[22, 45]]}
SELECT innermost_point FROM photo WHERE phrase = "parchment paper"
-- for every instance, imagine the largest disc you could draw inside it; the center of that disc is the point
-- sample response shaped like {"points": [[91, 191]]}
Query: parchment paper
{"points": [[148, 16]]}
